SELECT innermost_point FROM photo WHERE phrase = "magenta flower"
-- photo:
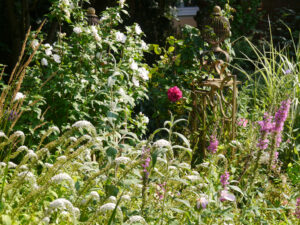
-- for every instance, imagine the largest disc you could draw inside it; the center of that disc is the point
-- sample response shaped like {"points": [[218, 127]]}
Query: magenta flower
{"points": [[213, 145], [203, 202], [226, 196], [224, 179], [146, 161], [242, 122], [174, 94], [266, 126]]}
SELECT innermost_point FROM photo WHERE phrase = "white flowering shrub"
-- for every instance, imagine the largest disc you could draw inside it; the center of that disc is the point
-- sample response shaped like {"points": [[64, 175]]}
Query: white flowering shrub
{"points": [[94, 73]]}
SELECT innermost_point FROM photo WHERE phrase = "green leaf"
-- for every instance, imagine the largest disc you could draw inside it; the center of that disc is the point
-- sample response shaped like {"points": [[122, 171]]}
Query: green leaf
{"points": [[171, 49], [182, 137], [236, 188], [185, 202]]}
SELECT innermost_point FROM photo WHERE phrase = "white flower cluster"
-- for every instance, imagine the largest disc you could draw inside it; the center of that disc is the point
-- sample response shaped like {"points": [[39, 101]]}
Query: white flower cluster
{"points": [[135, 219], [44, 62], [162, 143], [122, 2], [122, 160], [63, 205], [19, 96], [107, 207], [138, 29], [2, 134], [95, 33], [56, 58], [31, 154], [34, 43], [94, 195], [27, 175], [144, 118], [193, 177], [82, 124], [48, 49], [61, 177], [77, 30], [120, 37]]}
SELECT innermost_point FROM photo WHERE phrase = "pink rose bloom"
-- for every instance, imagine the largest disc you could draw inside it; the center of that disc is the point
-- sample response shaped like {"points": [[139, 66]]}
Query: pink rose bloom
{"points": [[174, 94]]}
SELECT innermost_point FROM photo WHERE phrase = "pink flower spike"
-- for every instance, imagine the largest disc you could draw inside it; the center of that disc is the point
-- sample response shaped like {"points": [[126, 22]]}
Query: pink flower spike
{"points": [[174, 94], [226, 196]]}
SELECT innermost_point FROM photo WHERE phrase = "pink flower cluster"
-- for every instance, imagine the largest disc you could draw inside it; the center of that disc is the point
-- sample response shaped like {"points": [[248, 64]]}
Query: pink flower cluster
{"points": [[267, 125], [213, 145], [174, 94]]}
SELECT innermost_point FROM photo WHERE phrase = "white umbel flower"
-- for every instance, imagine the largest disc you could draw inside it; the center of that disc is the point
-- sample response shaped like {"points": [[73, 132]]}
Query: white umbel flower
{"points": [[61, 177], [134, 219], [77, 30], [56, 58], [120, 37], [19, 96], [162, 143], [138, 29], [122, 160], [143, 73], [44, 62], [107, 207]]}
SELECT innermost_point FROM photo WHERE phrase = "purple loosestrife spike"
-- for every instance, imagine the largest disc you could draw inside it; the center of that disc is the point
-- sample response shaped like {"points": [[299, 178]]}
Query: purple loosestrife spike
{"points": [[213, 145], [280, 118], [224, 179]]}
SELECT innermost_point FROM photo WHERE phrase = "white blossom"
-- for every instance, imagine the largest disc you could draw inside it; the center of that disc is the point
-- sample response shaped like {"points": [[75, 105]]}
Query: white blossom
{"points": [[19, 96], [77, 30], [122, 2], [34, 43], [2, 134], [138, 29], [48, 165], [28, 176], [135, 81], [107, 207], [122, 160], [56, 58], [134, 219], [61, 158], [61, 177], [144, 118], [44, 62], [133, 65], [82, 124], [31, 154], [94, 195], [84, 82], [11, 165], [126, 197], [112, 199], [2, 164], [62, 204], [105, 17], [144, 46], [120, 37], [193, 177], [48, 49], [61, 35], [162, 143], [72, 139], [143, 73]]}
